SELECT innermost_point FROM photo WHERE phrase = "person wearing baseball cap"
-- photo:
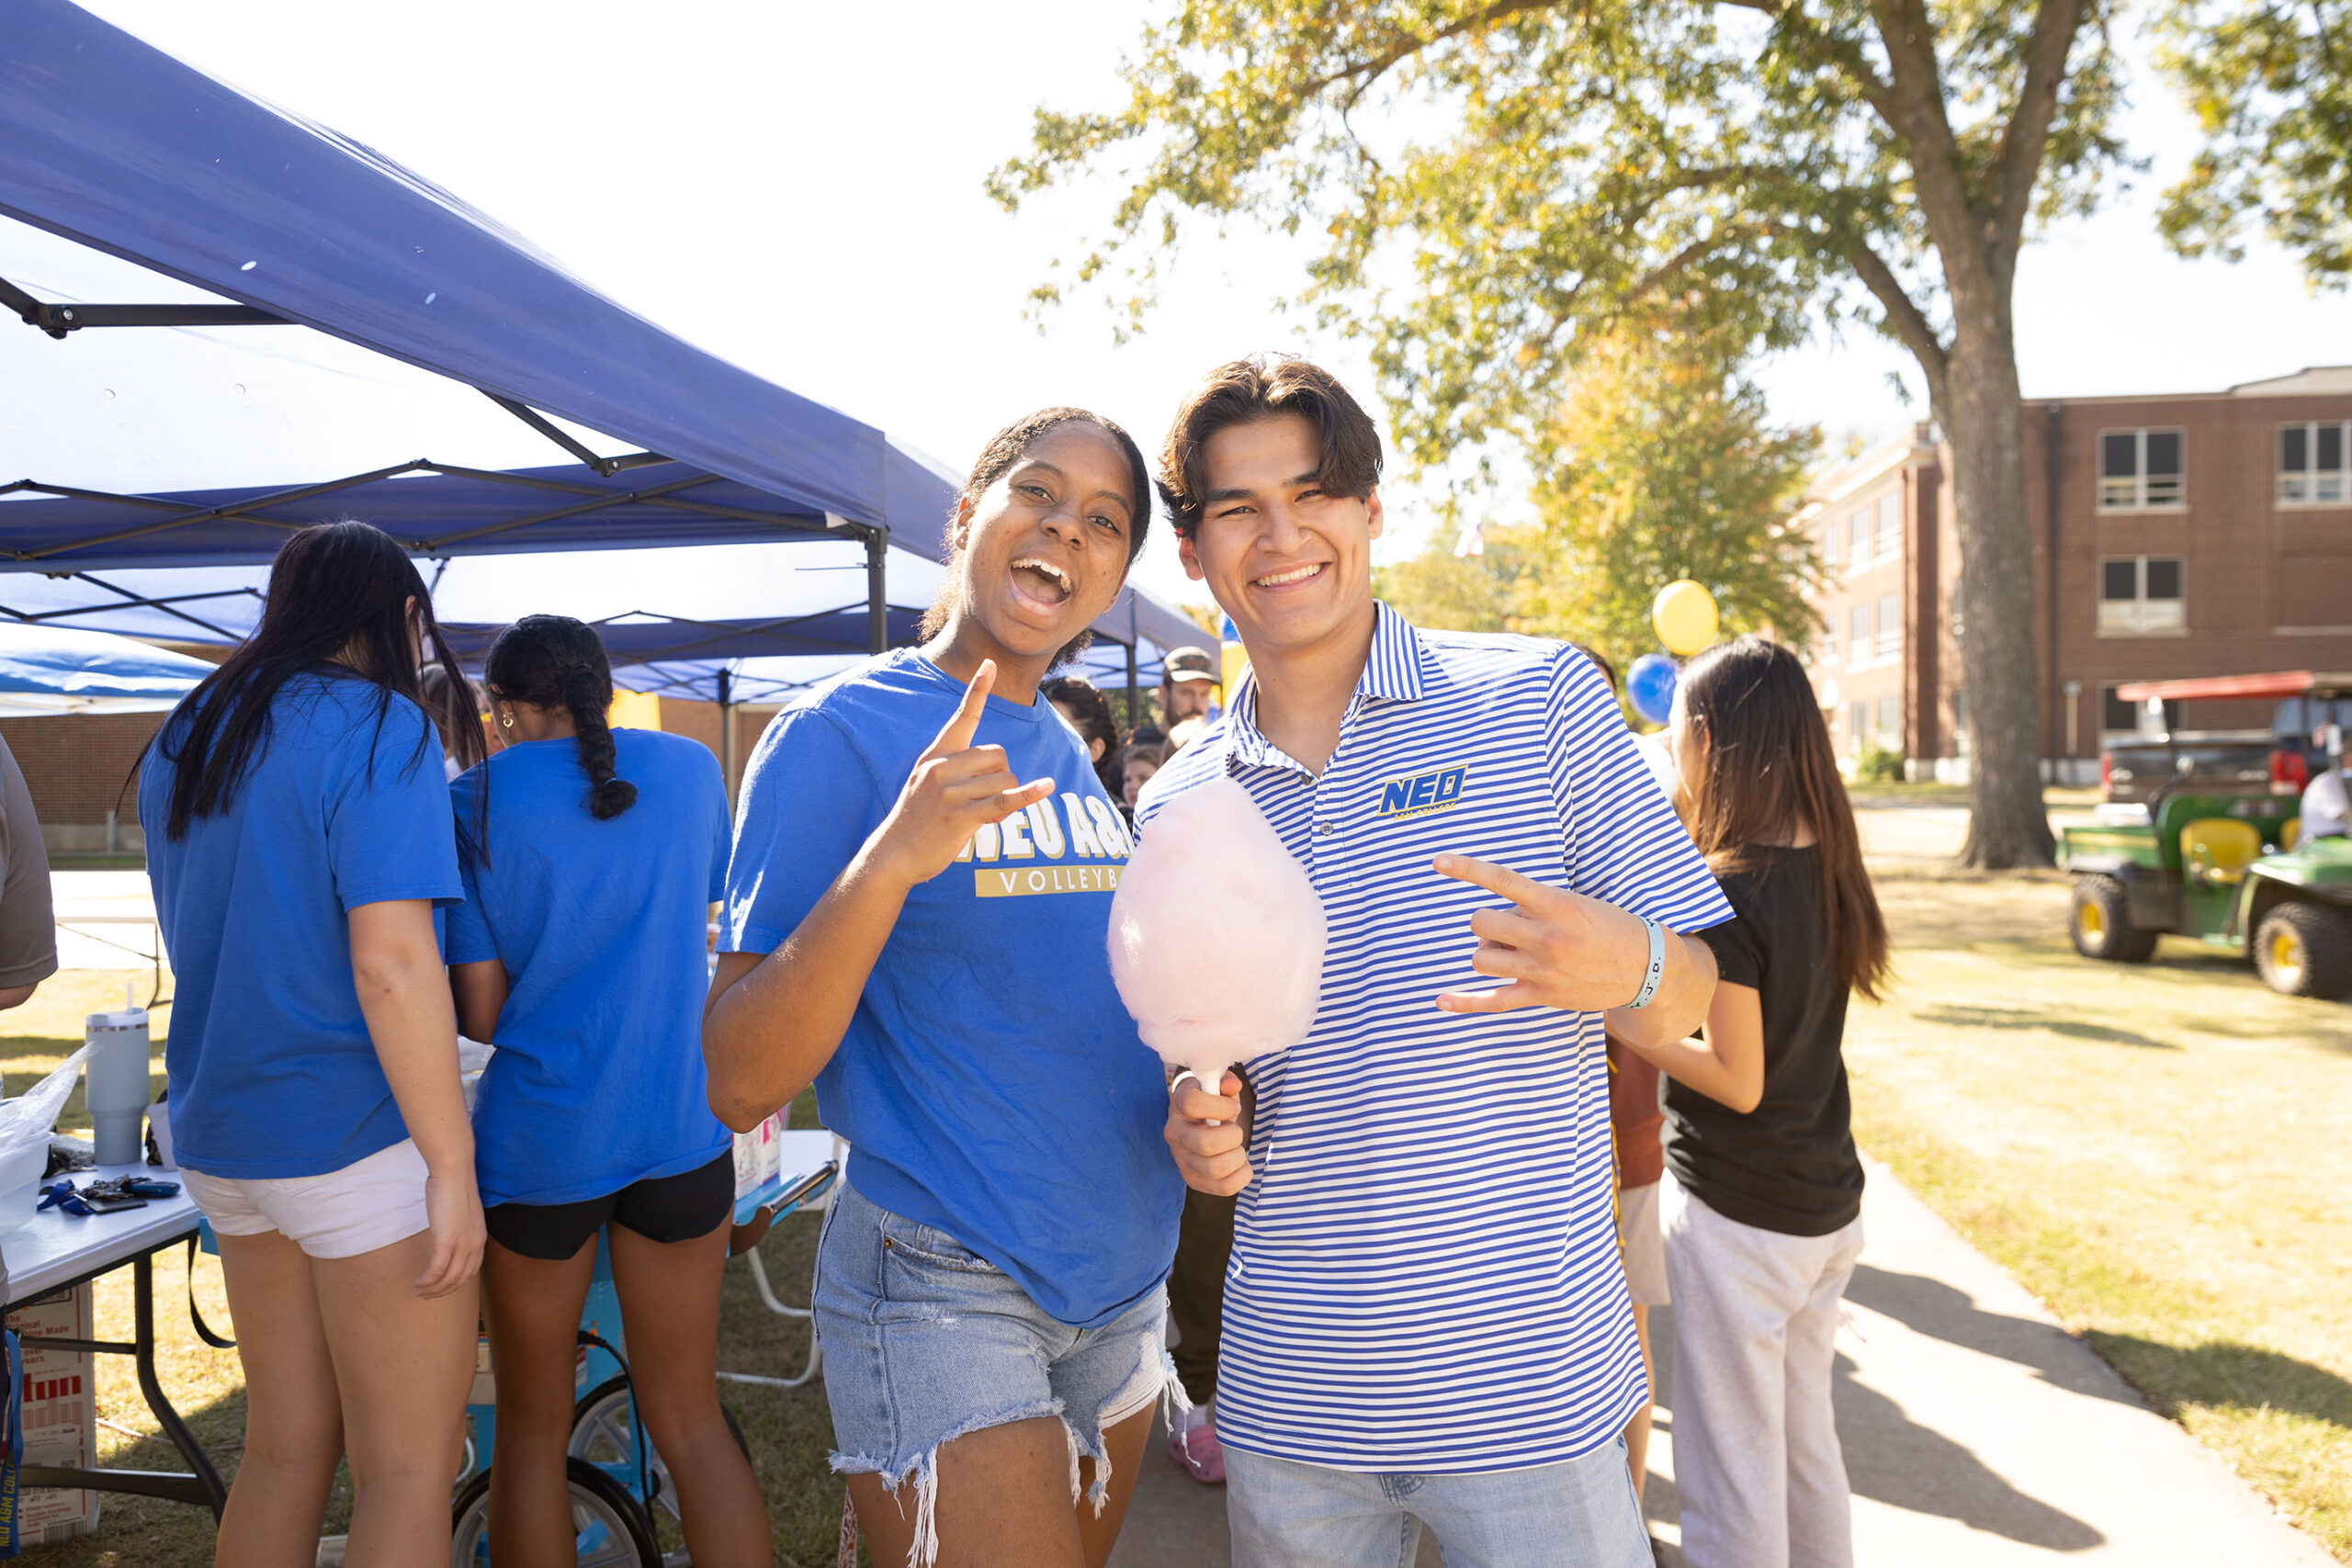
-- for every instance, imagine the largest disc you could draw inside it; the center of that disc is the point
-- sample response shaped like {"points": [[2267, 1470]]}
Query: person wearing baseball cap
{"points": [[1188, 685]]}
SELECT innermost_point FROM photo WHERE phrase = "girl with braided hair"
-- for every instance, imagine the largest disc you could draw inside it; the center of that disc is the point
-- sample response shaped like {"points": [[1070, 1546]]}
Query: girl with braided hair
{"points": [[591, 859]]}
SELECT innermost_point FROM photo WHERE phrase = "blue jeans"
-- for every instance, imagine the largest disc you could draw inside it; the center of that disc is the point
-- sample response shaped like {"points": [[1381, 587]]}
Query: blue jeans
{"points": [[1581, 1514], [925, 1341]]}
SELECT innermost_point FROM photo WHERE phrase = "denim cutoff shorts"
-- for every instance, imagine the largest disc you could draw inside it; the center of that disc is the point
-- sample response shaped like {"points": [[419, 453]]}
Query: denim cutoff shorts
{"points": [[925, 1341]]}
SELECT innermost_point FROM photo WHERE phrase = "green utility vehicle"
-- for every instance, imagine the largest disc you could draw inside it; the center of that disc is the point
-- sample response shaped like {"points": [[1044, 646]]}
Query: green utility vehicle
{"points": [[2222, 865]]}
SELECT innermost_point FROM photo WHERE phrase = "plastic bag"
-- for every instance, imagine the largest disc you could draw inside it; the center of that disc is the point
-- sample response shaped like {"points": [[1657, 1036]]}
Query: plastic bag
{"points": [[31, 1115]]}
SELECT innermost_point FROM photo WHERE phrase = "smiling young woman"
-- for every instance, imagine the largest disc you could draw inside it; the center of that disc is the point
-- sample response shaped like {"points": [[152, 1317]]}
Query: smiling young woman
{"points": [[920, 933]]}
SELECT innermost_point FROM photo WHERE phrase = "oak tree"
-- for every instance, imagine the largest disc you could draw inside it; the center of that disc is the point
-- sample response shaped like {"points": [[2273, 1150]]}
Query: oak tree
{"points": [[1489, 184], [2271, 87]]}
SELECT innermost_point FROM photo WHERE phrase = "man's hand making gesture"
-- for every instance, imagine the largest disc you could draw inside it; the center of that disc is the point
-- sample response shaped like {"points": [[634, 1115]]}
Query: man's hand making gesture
{"points": [[1558, 949]]}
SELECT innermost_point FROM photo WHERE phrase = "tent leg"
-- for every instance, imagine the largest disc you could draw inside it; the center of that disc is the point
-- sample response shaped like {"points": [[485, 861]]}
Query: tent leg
{"points": [[878, 603], [1135, 697], [726, 734]]}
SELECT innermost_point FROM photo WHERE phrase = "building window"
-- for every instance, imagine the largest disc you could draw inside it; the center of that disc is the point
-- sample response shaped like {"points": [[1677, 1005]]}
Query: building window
{"points": [[1890, 525], [2139, 595], [1890, 720], [1858, 722], [1858, 531], [1959, 732], [1890, 626], [2140, 469], [1858, 645], [2311, 464], [1831, 554], [2117, 717], [2115, 714]]}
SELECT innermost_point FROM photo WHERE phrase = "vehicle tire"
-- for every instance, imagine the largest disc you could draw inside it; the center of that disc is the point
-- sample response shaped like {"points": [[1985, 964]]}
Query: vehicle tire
{"points": [[2101, 924], [601, 1435], [2304, 950], [609, 1529]]}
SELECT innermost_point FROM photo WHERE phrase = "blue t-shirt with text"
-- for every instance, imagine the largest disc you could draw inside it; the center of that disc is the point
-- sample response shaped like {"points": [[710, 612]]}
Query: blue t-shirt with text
{"points": [[272, 1070], [601, 927], [991, 1083]]}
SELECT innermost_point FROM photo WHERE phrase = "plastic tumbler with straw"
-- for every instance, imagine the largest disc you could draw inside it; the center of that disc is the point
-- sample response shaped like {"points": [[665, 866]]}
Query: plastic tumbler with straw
{"points": [[116, 1076]]}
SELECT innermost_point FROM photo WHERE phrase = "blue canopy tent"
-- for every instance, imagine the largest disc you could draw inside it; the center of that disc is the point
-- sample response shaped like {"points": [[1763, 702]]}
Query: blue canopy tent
{"points": [[447, 513], [49, 670], [111, 143]]}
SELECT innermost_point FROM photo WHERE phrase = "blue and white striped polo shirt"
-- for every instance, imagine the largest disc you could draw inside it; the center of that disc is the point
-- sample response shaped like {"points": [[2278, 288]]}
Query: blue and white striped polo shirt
{"points": [[1425, 1275]]}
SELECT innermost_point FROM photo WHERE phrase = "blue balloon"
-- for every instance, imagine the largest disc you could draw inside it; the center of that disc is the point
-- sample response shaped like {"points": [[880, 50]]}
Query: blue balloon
{"points": [[1650, 683]]}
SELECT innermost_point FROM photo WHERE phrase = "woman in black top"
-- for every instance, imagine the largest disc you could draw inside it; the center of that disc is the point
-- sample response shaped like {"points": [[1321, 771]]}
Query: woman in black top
{"points": [[1763, 1213]]}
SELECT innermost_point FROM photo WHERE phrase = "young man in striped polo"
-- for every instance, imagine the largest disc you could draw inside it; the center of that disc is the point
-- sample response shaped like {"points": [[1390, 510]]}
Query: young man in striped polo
{"points": [[1425, 1317]]}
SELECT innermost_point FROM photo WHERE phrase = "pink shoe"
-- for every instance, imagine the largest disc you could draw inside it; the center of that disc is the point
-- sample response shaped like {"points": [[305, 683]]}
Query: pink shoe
{"points": [[1200, 1453]]}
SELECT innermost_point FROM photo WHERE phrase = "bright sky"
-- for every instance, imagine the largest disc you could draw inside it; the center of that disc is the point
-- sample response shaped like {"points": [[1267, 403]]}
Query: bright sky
{"points": [[798, 187]]}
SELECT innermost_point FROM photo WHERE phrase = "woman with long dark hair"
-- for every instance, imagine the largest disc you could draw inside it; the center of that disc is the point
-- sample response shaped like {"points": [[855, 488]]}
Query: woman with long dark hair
{"points": [[916, 920], [1079, 700], [1763, 1211], [592, 857], [299, 843]]}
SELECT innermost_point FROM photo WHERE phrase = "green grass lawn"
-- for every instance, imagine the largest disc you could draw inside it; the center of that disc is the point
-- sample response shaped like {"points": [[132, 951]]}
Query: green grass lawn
{"points": [[2157, 1151], [1926, 792], [788, 1431]]}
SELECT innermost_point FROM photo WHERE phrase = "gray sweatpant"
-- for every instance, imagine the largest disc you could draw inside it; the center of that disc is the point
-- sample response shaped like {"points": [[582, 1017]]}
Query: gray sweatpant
{"points": [[1756, 1455]]}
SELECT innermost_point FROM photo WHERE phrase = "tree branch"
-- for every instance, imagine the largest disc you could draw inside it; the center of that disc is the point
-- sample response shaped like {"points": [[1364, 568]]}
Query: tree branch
{"points": [[2027, 136], [1909, 323], [1954, 225], [1365, 72], [1838, 52]]}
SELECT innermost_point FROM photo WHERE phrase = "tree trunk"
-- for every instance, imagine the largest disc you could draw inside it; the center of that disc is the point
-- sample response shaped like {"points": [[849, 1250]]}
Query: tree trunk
{"points": [[1983, 418]]}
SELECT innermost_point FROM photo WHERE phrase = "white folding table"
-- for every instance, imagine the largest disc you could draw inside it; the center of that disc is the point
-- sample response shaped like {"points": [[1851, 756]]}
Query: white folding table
{"points": [[58, 1249]]}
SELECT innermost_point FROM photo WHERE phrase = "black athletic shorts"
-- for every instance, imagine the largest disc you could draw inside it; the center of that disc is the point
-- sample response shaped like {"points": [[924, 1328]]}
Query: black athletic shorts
{"points": [[667, 1207]]}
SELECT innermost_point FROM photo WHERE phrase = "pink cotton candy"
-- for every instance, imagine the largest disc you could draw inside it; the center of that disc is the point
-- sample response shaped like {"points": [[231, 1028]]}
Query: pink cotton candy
{"points": [[1216, 935]]}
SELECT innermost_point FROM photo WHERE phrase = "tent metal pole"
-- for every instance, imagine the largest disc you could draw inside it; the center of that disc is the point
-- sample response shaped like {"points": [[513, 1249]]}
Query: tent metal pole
{"points": [[726, 733], [1135, 697], [878, 603]]}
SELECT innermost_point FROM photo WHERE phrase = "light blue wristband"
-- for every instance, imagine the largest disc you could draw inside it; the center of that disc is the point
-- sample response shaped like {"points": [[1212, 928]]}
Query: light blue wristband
{"points": [[1656, 970]]}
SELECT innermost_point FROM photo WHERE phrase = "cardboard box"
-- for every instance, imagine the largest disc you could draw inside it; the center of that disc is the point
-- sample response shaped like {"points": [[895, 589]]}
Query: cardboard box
{"points": [[60, 1396], [756, 1155]]}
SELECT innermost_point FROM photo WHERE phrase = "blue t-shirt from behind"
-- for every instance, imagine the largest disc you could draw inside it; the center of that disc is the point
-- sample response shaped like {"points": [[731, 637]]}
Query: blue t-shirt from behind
{"points": [[991, 1083], [272, 1070], [601, 927]]}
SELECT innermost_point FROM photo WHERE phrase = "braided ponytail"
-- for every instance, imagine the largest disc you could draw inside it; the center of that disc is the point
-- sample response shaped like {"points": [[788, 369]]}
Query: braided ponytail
{"points": [[552, 661], [588, 692]]}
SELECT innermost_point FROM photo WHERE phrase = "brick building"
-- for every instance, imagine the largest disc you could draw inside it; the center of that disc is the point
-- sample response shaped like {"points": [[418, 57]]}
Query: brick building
{"points": [[77, 766], [2192, 534]]}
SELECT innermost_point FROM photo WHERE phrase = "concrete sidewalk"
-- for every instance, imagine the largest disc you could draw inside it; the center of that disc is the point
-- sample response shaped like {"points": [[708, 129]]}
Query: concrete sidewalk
{"points": [[1977, 1435]]}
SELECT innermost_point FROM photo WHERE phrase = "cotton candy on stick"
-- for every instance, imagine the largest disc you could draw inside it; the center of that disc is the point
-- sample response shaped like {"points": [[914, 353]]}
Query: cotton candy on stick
{"points": [[1210, 877]]}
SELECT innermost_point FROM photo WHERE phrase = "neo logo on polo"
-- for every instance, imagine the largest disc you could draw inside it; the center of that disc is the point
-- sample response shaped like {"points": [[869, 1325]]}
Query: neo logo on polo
{"points": [[1085, 828], [1421, 794]]}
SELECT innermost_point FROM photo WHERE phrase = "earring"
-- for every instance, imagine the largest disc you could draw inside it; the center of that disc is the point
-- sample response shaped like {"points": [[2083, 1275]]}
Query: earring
{"points": [[506, 720]]}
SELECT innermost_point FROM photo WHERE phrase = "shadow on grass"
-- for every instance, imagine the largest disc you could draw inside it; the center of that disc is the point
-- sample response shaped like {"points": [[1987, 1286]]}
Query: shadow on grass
{"points": [[154, 1532], [2226, 1374], [2027, 1018], [2206, 992]]}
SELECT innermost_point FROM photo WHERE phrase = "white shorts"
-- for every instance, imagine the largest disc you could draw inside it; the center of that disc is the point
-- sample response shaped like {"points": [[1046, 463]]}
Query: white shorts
{"points": [[1643, 1241], [371, 1203]]}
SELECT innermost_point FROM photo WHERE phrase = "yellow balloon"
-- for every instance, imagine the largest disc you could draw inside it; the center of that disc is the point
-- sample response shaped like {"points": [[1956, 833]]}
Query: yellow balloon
{"points": [[1684, 614]]}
